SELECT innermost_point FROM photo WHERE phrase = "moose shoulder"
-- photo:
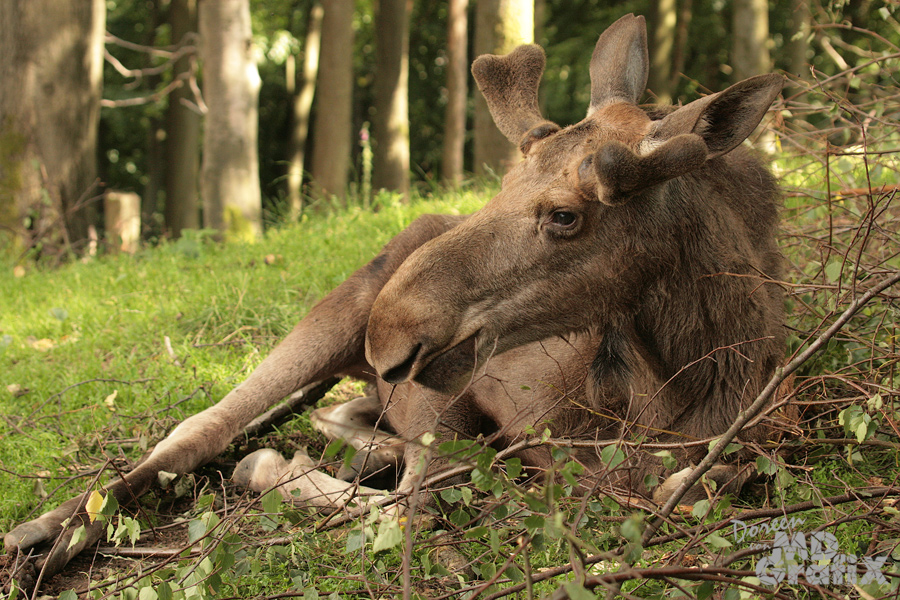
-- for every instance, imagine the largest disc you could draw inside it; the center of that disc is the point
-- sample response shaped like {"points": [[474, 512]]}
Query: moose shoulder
{"points": [[619, 286]]}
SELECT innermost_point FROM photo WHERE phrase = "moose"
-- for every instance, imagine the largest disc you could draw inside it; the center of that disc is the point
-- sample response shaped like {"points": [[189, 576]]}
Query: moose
{"points": [[622, 285]]}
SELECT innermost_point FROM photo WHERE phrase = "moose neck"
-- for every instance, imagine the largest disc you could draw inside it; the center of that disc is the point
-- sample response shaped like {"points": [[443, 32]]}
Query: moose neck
{"points": [[682, 347]]}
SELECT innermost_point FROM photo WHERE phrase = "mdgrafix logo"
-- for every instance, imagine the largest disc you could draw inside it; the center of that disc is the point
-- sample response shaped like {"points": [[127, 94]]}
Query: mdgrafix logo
{"points": [[814, 556]]}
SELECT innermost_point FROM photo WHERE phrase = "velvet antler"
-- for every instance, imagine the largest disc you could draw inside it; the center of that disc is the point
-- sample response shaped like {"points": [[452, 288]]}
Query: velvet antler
{"points": [[622, 173], [510, 86]]}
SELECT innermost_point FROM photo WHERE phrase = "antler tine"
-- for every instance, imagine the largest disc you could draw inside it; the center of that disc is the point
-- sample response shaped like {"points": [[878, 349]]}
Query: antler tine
{"points": [[510, 86], [620, 63]]}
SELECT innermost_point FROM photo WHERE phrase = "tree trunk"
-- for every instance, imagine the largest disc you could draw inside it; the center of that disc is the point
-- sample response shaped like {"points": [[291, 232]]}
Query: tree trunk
{"points": [[662, 44], [500, 26], [51, 66], [679, 55], [182, 130], [457, 92], [230, 171], [390, 125], [332, 129], [156, 133], [302, 106], [798, 48], [750, 31]]}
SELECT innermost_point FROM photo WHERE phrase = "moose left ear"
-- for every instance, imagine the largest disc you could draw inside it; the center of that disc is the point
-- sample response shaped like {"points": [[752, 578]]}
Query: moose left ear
{"points": [[723, 120]]}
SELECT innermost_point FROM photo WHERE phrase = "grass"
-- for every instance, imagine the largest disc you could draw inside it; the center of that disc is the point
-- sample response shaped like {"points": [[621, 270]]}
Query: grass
{"points": [[85, 363], [88, 376]]}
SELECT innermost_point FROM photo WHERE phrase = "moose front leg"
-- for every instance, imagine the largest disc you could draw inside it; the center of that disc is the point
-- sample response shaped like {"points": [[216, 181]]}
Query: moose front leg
{"points": [[329, 341]]}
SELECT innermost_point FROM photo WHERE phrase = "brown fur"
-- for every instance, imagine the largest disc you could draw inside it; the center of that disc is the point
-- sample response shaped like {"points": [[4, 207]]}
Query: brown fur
{"points": [[615, 288]]}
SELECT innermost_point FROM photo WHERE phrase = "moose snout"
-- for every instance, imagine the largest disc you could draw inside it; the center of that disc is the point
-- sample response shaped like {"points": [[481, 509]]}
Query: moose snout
{"points": [[406, 333], [403, 369]]}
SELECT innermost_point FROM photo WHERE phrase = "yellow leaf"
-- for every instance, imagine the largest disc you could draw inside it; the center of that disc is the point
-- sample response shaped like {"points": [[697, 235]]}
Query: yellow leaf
{"points": [[110, 401], [95, 501]]}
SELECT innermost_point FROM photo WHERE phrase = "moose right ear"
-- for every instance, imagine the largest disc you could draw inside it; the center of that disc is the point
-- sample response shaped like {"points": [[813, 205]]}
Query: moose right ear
{"points": [[722, 120]]}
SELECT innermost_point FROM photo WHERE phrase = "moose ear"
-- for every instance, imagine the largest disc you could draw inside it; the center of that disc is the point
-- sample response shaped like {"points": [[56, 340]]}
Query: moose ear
{"points": [[620, 63], [723, 120], [510, 86]]}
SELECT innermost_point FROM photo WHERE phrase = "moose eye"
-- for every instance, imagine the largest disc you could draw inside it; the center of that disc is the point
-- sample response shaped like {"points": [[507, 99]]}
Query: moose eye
{"points": [[563, 221]]}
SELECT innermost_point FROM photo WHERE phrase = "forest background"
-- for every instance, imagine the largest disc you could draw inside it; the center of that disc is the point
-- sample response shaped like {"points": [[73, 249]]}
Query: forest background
{"points": [[289, 98]]}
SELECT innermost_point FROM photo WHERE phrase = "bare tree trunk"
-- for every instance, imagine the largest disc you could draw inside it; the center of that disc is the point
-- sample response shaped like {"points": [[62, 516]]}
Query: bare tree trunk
{"points": [[182, 130], [390, 125], [230, 172], [500, 26], [302, 106], [156, 170], [51, 68], [332, 129], [457, 92], [750, 31], [679, 55], [798, 48], [662, 44]]}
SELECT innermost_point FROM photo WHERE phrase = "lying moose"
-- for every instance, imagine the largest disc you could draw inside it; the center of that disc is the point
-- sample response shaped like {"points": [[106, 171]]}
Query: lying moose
{"points": [[617, 287]]}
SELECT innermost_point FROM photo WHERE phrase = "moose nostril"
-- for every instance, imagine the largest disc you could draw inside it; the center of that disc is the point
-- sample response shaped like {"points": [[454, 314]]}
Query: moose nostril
{"points": [[401, 372]]}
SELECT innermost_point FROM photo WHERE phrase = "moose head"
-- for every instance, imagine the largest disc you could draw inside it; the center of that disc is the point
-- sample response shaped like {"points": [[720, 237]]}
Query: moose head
{"points": [[626, 205]]}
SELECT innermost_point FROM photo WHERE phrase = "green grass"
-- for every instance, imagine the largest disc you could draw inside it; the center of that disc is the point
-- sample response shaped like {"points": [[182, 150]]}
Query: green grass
{"points": [[71, 337]]}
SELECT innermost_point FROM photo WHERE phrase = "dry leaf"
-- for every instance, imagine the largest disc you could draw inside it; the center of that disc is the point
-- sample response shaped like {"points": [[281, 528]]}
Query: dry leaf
{"points": [[110, 401], [17, 390], [92, 506]]}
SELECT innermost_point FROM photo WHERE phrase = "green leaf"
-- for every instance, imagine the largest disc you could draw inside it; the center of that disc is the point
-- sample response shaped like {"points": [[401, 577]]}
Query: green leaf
{"points": [[513, 467], [576, 591], [833, 269], [633, 527], [534, 522], [164, 590], [68, 595], [356, 539], [389, 535], [196, 530], [451, 495], [271, 502], [701, 507], [148, 593], [668, 460], [78, 535], [704, 590], [332, 449], [612, 457], [764, 466], [310, 593], [717, 541]]}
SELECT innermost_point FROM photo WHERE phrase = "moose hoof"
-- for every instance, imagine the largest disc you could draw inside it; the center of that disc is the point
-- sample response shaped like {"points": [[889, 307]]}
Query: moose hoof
{"points": [[726, 477], [260, 470]]}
